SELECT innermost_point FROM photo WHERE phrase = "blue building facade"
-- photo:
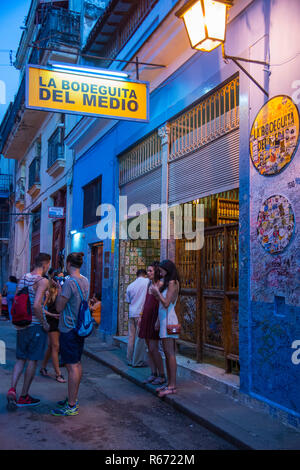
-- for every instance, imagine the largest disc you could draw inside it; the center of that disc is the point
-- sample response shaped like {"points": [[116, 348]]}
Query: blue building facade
{"points": [[268, 287]]}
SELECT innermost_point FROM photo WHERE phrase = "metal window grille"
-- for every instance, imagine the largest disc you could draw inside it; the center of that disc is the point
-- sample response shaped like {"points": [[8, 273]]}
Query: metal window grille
{"points": [[143, 158], [214, 116], [34, 172], [55, 147]]}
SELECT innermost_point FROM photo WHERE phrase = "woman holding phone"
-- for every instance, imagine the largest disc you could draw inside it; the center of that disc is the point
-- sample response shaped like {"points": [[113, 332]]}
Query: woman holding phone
{"points": [[167, 295]]}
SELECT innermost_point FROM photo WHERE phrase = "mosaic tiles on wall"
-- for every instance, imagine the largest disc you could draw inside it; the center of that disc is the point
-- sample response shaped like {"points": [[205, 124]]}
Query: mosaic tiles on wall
{"points": [[275, 224], [274, 135]]}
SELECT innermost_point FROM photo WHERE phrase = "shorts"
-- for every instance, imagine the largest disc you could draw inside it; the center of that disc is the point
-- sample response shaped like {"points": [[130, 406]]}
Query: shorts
{"points": [[70, 347], [31, 343], [53, 323]]}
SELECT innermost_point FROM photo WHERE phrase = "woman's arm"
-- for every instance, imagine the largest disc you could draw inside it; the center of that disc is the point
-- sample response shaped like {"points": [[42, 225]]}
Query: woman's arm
{"points": [[171, 293]]}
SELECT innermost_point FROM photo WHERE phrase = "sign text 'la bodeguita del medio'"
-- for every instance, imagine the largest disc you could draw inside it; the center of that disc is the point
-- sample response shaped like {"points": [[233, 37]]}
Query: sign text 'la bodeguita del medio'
{"points": [[62, 91]]}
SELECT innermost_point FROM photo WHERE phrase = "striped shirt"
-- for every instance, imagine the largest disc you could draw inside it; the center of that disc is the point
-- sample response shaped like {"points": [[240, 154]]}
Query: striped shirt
{"points": [[31, 281]]}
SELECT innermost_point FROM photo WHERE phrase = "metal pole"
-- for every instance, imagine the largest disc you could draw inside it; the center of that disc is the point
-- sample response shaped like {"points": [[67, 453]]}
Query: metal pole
{"points": [[236, 59], [137, 68]]}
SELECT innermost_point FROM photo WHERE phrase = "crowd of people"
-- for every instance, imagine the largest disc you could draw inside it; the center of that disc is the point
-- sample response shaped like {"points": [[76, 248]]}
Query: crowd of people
{"points": [[152, 299], [57, 301]]}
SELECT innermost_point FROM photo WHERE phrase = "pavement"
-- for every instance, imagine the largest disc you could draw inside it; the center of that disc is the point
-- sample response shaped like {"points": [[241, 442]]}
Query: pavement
{"points": [[114, 414], [224, 417], [240, 425]]}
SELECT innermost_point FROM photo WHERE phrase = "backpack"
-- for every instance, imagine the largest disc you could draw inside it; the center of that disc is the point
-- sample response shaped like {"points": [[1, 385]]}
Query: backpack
{"points": [[85, 323], [21, 308]]}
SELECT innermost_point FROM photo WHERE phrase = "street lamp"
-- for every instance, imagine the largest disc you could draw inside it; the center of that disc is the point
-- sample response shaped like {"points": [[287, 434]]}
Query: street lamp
{"points": [[205, 22]]}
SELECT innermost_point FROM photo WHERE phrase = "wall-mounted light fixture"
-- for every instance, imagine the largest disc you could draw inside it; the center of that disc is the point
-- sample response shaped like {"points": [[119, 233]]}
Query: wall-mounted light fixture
{"points": [[206, 23], [90, 71]]}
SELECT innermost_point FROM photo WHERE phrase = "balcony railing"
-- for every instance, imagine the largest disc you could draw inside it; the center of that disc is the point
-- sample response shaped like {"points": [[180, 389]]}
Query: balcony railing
{"points": [[109, 44], [34, 172], [11, 116], [56, 147], [5, 184], [58, 27]]}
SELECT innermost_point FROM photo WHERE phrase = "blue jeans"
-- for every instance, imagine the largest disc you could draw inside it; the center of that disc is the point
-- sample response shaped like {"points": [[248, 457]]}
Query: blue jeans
{"points": [[10, 299]]}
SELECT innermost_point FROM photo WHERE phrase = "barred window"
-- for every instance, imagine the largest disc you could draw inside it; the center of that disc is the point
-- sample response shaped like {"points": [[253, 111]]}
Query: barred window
{"points": [[55, 147]]}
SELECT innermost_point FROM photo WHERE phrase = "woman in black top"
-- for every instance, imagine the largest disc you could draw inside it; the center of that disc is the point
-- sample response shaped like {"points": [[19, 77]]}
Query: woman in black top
{"points": [[53, 335]]}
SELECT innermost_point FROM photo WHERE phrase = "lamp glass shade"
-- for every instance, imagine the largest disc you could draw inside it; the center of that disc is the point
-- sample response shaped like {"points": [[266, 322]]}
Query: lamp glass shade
{"points": [[194, 23], [205, 21], [215, 19]]}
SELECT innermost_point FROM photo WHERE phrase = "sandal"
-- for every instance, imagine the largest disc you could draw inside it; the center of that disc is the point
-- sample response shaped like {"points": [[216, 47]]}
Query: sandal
{"points": [[44, 372], [160, 380], [150, 379], [159, 389], [60, 378], [167, 391]]}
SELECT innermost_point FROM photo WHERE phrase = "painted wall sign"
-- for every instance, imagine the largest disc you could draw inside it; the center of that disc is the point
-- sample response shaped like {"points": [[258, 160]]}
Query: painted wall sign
{"points": [[64, 91], [274, 135], [275, 224], [56, 212]]}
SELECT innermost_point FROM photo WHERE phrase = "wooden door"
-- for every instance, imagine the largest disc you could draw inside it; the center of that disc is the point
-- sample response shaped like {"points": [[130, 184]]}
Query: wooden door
{"points": [[96, 269], [59, 229]]}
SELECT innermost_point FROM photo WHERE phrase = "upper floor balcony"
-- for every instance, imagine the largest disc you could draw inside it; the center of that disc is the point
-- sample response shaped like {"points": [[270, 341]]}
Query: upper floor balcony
{"points": [[58, 36], [34, 181], [6, 185], [116, 26], [58, 39]]}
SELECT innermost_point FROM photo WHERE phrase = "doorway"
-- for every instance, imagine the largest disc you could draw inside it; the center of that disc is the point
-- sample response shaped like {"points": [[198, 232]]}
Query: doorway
{"points": [[96, 269]]}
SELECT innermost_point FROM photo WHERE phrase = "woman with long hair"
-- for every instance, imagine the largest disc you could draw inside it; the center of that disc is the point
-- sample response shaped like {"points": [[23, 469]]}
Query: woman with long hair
{"points": [[167, 295], [147, 328], [53, 335]]}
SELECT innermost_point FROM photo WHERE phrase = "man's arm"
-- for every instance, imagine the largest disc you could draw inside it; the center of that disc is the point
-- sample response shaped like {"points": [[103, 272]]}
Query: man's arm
{"points": [[60, 303], [42, 286]]}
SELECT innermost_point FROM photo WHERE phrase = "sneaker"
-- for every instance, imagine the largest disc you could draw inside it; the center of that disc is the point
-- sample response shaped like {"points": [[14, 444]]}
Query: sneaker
{"points": [[64, 403], [28, 401], [11, 399], [66, 411]]}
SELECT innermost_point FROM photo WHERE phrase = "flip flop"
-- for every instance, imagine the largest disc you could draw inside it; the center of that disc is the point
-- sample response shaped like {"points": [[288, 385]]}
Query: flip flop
{"points": [[159, 381], [167, 391], [150, 379], [159, 389], [60, 378], [44, 372]]}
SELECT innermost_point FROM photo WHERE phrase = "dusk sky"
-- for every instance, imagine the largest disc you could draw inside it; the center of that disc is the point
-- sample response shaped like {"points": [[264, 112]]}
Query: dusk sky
{"points": [[12, 16]]}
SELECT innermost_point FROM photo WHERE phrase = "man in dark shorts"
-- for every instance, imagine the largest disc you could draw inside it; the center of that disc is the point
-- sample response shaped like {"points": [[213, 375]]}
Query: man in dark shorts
{"points": [[32, 339], [71, 345]]}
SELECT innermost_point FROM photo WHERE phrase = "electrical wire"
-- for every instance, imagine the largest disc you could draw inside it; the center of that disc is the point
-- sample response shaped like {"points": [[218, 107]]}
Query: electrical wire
{"points": [[286, 61]]}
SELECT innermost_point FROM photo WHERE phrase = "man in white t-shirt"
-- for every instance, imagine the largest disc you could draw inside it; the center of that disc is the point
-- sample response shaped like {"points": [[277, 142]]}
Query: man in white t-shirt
{"points": [[135, 296]]}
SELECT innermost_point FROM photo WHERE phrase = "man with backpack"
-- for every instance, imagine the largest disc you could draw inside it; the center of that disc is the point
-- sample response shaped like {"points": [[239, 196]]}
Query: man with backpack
{"points": [[32, 327], [75, 324]]}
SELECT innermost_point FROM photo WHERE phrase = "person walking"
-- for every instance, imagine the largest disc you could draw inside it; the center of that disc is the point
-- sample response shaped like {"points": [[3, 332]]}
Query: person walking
{"points": [[135, 297], [10, 289], [31, 340], [52, 317], [167, 295], [68, 302], [147, 329]]}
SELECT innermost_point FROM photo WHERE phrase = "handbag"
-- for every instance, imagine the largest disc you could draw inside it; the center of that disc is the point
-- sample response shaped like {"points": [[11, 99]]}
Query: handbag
{"points": [[174, 329]]}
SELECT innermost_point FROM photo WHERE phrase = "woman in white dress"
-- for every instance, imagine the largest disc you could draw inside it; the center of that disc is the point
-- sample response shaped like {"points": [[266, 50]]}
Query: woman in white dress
{"points": [[167, 295]]}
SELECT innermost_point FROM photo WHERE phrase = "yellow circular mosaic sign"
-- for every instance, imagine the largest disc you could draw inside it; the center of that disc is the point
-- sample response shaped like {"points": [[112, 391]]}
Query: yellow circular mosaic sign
{"points": [[274, 135]]}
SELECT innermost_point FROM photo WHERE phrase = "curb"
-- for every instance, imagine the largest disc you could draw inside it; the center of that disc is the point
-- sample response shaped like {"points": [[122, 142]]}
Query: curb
{"points": [[240, 444]]}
